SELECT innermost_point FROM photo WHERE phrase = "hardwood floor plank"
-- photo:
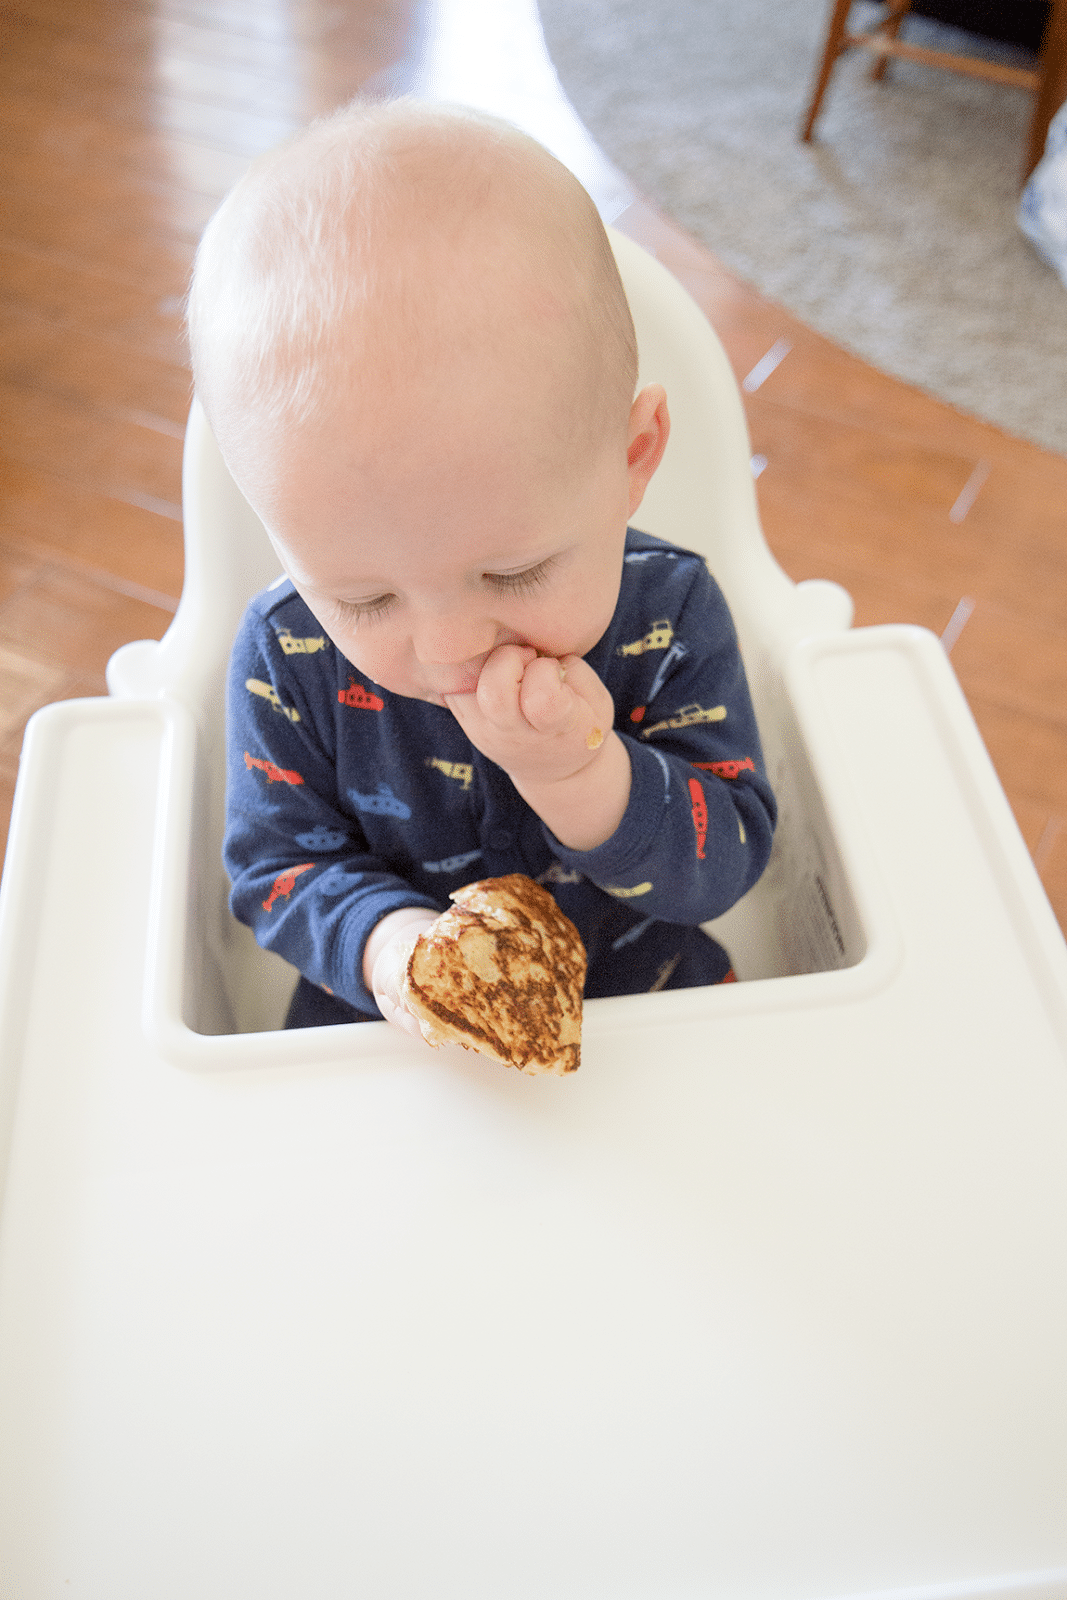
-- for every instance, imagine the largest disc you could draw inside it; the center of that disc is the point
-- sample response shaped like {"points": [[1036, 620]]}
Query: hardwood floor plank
{"points": [[94, 146], [95, 240], [166, 209], [355, 27], [79, 67], [111, 303], [1029, 753], [25, 684], [63, 620], [298, 21], [243, 124], [49, 519], [17, 567], [862, 501], [123, 459], [88, 73], [992, 663], [871, 466], [837, 502], [80, 367]]}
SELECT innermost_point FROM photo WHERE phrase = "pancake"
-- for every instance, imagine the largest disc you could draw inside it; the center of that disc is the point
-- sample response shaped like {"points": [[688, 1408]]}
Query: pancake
{"points": [[501, 972]]}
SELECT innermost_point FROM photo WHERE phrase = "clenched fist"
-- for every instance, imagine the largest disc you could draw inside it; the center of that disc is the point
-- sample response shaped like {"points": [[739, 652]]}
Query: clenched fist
{"points": [[540, 719], [548, 724]]}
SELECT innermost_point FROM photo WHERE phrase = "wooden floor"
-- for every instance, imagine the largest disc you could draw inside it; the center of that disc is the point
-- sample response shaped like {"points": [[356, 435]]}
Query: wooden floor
{"points": [[122, 122]]}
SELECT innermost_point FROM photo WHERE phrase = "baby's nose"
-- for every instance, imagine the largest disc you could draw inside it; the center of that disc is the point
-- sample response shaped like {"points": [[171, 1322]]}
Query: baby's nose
{"points": [[453, 637]]}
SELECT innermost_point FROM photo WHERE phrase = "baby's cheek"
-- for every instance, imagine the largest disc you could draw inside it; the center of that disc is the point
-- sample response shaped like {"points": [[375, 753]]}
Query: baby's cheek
{"points": [[381, 665], [575, 626]]}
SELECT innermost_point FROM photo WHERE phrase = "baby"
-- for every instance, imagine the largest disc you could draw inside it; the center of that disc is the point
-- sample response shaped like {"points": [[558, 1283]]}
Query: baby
{"points": [[414, 349]]}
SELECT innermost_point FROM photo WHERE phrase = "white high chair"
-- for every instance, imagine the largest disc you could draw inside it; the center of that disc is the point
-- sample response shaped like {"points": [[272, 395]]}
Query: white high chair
{"points": [[769, 1300]]}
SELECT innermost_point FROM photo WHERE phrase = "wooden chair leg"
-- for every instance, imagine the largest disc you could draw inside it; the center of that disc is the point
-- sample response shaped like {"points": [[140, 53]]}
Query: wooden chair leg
{"points": [[835, 44], [1053, 89], [890, 27]]}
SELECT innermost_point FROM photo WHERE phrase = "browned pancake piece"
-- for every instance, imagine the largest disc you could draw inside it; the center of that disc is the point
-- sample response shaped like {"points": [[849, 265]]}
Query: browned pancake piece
{"points": [[502, 972]]}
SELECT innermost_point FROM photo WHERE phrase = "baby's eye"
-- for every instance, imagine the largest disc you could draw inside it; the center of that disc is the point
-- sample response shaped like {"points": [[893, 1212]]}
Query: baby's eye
{"points": [[521, 582], [363, 610]]}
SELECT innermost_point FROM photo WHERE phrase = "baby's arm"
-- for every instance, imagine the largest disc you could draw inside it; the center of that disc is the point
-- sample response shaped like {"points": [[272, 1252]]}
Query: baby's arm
{"points": [[674, 815], [700, 821], [302, 875], [548, 724]]}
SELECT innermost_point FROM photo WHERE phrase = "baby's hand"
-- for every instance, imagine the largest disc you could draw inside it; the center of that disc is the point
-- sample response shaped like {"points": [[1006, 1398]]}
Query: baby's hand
{"points": [[389, 963], [540, 719]]}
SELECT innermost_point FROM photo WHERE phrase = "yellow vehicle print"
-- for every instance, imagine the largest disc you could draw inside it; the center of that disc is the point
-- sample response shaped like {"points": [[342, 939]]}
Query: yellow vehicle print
{"points": [[268, 692], [629, 894], [688, 717], [462, 771], [658, 637], [300, 647]]}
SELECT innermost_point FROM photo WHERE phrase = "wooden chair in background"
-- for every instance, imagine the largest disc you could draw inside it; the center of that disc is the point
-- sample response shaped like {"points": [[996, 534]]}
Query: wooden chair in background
{"points": [[1047, 80]]}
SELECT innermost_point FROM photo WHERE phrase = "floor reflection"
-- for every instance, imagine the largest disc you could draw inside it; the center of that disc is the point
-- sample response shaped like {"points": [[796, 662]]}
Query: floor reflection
{"points": [[491, 54]]}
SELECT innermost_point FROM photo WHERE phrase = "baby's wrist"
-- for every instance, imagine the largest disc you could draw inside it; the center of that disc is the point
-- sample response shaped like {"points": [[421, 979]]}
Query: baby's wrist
{"points": [[585, 808]]}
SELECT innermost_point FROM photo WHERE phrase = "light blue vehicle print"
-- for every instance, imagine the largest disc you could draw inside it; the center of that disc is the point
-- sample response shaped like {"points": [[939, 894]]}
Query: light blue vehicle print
{"points": [[382, 804], [322, 838], [452, 863]]}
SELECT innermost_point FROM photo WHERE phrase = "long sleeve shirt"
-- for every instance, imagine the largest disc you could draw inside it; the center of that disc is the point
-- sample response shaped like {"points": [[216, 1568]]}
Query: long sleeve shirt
{"points": [[346, 801]]}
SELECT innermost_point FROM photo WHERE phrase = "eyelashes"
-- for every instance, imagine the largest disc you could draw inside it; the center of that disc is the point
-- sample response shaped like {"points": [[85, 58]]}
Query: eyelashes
{"points": [[521, 582], [363, 610], [512, 583]]}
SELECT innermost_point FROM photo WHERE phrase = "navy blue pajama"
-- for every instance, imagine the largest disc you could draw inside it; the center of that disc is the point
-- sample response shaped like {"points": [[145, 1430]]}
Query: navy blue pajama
{"points": [[346, 802]]}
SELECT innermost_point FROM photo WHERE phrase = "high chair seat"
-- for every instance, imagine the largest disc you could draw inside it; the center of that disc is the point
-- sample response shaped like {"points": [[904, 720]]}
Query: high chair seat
{"points": [[769, 1298]]}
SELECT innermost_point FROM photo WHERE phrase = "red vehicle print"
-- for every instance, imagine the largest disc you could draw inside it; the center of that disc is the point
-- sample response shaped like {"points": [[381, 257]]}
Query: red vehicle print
{"points": [[274, 774], [637, 714], [700, 815], [727, 769], [356, 695], [285, 883], [731, 976]]}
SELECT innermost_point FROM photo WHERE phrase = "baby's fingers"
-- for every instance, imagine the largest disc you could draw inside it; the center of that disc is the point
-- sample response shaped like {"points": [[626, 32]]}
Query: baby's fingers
{"points": [[499, 684], [399, 1016], [386, 979], [546, 700], [580, 677]]}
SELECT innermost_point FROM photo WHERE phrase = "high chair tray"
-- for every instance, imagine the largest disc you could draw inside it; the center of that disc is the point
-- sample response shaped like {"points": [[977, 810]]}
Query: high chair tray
{"points": [[770, 1299]]}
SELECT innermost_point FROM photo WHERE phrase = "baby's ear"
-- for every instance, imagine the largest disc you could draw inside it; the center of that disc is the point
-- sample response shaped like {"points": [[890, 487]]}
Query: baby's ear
{"points": [[650, 427]]}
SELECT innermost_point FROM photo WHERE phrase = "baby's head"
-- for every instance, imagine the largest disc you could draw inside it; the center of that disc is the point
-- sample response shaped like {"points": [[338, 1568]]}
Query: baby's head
{"points": [[412, 344]]}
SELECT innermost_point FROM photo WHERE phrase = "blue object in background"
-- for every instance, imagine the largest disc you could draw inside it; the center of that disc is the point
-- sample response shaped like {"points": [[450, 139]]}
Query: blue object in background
{"points": [[1043, 207]]}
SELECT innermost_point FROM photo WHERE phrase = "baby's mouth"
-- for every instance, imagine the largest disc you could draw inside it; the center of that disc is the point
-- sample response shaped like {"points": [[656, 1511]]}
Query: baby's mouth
{"points": [[462, 679], [435, 696]]}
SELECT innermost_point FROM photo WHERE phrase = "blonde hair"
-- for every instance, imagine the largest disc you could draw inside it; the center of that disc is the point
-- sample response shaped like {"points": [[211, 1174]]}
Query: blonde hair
{"points": [[324, 253]]}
